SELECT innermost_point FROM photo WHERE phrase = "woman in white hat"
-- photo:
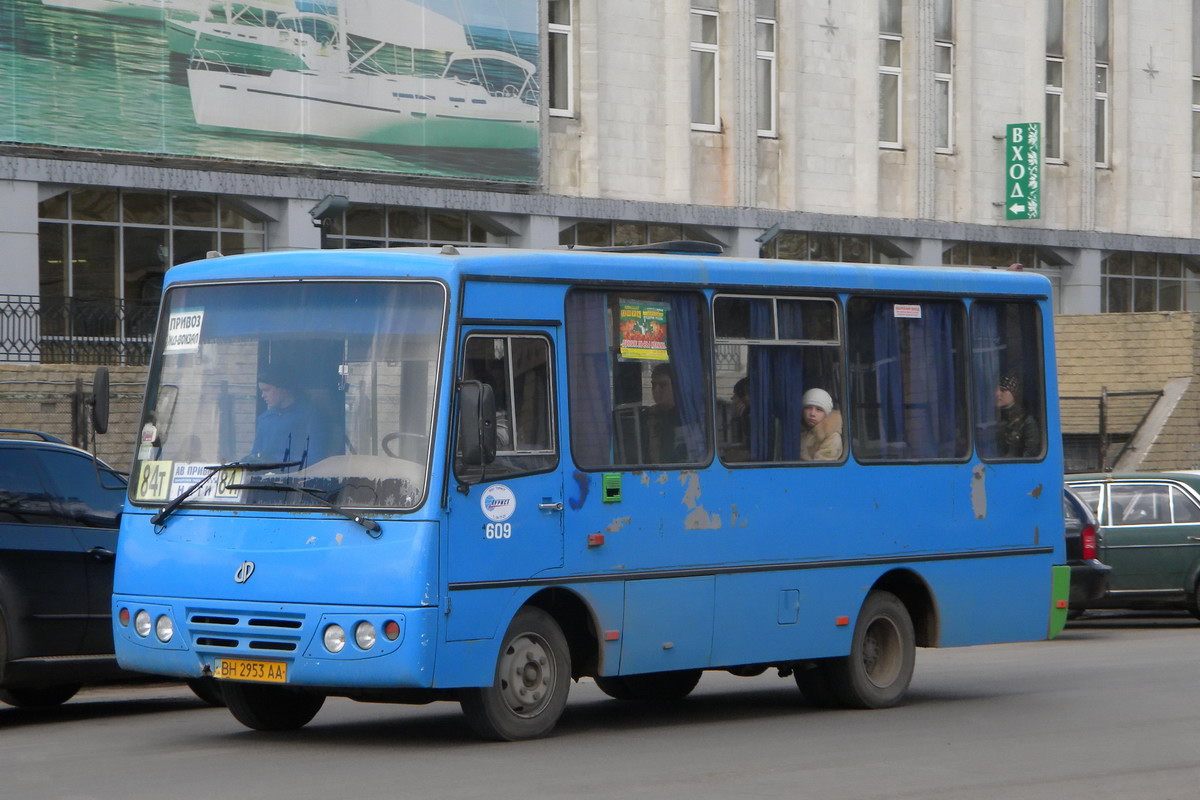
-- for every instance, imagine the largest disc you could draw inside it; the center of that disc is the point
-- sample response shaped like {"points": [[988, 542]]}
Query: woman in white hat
{"points": [[821, 439]]}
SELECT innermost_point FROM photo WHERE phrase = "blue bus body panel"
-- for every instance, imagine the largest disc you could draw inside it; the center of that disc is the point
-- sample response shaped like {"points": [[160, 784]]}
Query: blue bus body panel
{"points": [[298, 558]]}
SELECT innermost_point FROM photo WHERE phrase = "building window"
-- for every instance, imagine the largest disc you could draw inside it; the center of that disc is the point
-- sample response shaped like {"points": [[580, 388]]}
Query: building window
{"points": [[1196, 87], [811, 246], [943, 76], [999, 255], [108, 248], [363, 225], [706, 78], [561, 59], [1102, 79], [1146, 282], [765, 73], [1052, 146], [618, 233], [890, 78]]}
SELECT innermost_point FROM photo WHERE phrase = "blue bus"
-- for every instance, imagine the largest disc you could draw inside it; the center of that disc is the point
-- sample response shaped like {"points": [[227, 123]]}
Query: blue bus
{"points": [[420, 474]]}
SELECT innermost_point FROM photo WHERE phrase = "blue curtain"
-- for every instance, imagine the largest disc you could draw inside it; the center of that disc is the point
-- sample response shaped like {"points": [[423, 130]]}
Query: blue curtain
{"points": [[934, 345], [889, 382], [986, 372], [591, 386], [777, 383], [790, 380], [762, 427], [685, 344]]}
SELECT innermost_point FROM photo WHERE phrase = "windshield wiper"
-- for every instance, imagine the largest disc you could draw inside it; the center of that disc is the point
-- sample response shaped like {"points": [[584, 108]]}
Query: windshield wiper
{"points": [[372, 527], [169, 508]]}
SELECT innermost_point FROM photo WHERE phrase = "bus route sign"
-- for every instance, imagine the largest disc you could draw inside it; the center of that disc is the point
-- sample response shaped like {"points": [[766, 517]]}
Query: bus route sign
{"points": [[1023, 171]]}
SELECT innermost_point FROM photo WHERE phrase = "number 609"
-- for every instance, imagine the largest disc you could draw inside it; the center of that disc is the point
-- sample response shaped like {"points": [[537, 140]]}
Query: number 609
{"points": [[498, 530]]}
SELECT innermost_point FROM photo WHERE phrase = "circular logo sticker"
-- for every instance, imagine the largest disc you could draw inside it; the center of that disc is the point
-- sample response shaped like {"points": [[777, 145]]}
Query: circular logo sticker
{"points": [[498, 502]]}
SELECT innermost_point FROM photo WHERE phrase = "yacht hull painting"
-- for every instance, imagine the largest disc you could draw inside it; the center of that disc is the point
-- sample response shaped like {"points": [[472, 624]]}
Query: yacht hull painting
{"points": [[154, 10], [375, 109]]}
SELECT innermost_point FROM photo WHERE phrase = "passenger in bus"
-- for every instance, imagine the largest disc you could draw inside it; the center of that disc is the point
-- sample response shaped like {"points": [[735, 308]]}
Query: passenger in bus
{"points": [[821, 439], [737, 441], [664, 442], [1018, 434], [291, 429]]}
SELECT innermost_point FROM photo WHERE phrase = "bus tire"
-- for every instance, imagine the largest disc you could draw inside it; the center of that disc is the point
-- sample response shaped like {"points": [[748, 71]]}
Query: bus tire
{"points": [[879, 668], [208, 690], [653, 687], [39, 696], [271, 708], [812, 679], [532, 679]]}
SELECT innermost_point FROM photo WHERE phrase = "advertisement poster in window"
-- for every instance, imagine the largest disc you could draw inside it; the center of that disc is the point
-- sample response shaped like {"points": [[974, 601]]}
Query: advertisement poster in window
{"points": [[643, 329], [423, 87]]}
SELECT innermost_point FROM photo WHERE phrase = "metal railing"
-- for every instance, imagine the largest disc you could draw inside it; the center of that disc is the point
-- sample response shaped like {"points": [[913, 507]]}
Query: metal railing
{"points": [[72, 330]]}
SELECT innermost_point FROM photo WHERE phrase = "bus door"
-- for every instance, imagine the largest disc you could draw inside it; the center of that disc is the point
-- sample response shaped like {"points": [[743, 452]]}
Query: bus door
{"points": [[506, 519]]}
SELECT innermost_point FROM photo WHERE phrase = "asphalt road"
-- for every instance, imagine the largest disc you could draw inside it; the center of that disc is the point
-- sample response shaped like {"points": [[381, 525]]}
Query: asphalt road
{"points": [[1111, 709]]}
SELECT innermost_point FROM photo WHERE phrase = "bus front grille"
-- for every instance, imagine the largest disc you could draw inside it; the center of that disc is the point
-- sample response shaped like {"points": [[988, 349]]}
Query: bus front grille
{"points": [[227, 631]]}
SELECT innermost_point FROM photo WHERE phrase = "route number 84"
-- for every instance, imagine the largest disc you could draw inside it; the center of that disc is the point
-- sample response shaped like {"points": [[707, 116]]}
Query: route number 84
{"points": [[498, 530]]}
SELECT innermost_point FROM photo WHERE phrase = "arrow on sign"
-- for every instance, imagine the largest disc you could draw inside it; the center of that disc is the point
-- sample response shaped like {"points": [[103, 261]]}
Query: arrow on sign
{"points": [[1016, 209]]}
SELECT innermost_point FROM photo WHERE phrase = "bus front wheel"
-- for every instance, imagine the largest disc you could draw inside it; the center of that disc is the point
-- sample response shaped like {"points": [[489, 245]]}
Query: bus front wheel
{"points": [[271, 708], [879, 668], [533, 674]]}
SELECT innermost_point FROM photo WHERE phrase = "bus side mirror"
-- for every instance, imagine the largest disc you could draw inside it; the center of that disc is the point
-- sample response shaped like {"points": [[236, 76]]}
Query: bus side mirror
{"points": [[476, 423], [100, 394]]}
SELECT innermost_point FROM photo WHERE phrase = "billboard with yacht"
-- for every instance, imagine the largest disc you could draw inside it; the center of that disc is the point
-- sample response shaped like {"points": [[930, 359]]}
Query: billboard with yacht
{"points": [[426, 87]]}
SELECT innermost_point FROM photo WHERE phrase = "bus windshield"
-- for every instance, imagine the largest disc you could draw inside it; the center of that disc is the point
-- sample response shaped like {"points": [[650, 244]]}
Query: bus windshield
{"points": [[328, 385]]}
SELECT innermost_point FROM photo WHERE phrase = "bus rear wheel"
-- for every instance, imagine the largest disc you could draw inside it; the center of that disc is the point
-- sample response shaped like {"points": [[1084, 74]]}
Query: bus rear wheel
{"points": [[879, 668], [656, 687], [532, 679], [271, 708]]}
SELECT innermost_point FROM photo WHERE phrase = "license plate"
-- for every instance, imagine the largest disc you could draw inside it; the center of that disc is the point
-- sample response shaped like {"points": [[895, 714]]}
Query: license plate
{"points": [[240, 669]]}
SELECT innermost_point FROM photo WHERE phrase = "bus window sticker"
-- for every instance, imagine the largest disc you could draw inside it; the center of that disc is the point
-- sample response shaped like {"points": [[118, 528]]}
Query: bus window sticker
{"points": [[183, 331]]}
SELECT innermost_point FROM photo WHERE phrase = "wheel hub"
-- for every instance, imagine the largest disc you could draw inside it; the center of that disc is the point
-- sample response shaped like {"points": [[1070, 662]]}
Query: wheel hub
{"points": [[527, 675]]}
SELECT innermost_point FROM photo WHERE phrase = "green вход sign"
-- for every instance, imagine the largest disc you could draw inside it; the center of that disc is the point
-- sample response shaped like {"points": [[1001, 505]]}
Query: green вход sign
{"points": [[1023, 171]]}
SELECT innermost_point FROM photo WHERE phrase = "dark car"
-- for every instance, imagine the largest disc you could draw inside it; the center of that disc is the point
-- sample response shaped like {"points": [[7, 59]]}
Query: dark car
{"points": [[1089, 576], [59, 512], [1151, 523]]}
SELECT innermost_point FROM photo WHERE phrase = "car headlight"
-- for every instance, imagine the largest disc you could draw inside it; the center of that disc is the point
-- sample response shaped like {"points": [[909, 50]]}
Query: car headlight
{"points": [[141, 623], [164, 628], [364, 635], [335, 638]]}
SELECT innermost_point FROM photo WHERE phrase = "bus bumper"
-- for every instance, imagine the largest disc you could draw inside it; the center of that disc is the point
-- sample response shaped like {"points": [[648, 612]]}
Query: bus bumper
{"points": [[288, 645], [1060, 583]]}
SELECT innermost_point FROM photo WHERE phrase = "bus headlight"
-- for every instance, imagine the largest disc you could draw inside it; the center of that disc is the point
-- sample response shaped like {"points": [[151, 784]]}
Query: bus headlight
{"points": [[335, 638], [141, 623], [164, 628], [364, 635]]}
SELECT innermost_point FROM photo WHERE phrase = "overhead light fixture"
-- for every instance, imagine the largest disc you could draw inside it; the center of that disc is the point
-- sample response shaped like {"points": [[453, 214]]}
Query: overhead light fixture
{"points": [[330, 206]]}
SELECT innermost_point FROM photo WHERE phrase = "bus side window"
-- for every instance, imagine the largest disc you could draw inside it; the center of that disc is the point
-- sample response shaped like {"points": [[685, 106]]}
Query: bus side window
{"points": [[774, 355], [638, 366], [518, 368], [907, 379], [1008, 390]]}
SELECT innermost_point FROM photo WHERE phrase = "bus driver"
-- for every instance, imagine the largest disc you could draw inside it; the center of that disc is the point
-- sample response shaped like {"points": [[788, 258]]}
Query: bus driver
{"points": [[290, 429]]}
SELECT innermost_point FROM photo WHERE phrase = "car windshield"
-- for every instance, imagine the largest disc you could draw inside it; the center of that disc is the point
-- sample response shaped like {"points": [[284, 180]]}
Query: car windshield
{"points": [[328, 387]]}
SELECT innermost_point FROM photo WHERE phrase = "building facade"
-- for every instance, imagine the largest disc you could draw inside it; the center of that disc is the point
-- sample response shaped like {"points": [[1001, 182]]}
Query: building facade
{"points": [[834, 130]]}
